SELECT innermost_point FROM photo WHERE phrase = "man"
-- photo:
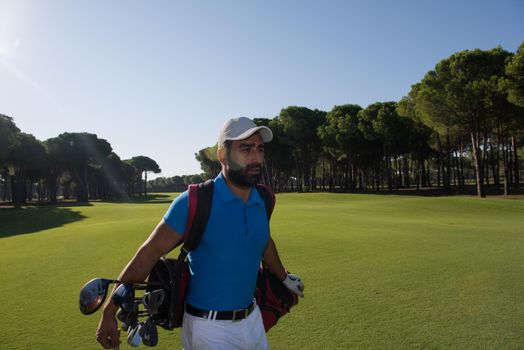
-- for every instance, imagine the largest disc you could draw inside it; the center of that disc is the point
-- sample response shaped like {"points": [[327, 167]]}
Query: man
{"points": [[224, 267]]}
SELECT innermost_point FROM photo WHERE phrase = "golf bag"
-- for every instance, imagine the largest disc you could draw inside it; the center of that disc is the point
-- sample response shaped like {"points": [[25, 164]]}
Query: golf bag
{"points": [[273, 298], [173, 274]]}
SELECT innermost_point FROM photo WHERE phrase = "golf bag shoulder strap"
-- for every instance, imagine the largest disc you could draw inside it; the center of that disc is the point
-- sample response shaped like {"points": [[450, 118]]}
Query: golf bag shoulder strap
{"points": [[269, 198], [199, 205]]}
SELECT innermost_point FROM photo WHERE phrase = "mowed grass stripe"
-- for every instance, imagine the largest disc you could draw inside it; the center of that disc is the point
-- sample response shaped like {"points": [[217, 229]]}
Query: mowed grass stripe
{"points": [[380, 271]]}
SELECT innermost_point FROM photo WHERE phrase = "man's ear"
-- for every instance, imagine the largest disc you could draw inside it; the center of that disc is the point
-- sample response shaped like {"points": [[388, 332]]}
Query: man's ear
{"points": [[221, 155]]}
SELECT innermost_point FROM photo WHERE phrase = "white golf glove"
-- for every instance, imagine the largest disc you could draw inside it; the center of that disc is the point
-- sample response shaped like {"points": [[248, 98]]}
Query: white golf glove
{"points": [[294, 284]]}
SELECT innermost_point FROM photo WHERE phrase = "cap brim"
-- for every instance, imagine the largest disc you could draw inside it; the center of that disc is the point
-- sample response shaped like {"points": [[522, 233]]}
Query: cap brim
{"points": [[264, 131]]}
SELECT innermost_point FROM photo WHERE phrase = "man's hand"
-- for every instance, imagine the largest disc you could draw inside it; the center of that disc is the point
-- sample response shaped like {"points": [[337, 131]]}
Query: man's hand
{"points": [[160, 241], [107, 333], [294, 284]]}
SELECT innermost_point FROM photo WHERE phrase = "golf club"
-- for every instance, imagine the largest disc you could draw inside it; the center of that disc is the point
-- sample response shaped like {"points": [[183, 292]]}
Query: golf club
{"points": [[134, 337], [124, 296], [153, 300], [149, 333], [130, 318], [93, 294]]}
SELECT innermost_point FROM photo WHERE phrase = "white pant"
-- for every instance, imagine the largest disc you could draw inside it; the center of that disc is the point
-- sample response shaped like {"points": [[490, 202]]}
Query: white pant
{"points": [[203, 334]]}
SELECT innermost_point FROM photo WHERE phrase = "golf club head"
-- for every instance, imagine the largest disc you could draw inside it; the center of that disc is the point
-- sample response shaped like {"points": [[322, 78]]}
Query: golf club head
{"points": [[134, 337], [149, 333], [93, 294], [153, 300], [124, 296], [130, 318]]}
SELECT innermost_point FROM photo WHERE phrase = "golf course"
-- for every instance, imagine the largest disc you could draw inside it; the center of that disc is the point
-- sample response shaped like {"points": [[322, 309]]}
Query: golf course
{"points": [[380, 271]]}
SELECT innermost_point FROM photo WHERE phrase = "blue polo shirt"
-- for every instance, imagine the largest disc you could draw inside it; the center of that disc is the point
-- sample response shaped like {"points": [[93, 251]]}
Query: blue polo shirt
{"points": [[224, 266]]}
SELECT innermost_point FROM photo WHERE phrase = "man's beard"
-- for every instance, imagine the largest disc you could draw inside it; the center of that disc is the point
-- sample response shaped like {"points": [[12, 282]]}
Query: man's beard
{"points": [[240, 176]]}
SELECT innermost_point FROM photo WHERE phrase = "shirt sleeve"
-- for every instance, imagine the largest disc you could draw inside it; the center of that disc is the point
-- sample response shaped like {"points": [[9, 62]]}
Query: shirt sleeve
{"points": [[176, 215]]}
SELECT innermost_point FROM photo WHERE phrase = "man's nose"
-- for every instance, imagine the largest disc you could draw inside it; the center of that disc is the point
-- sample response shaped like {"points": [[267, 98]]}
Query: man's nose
{"points": [[256, 157]]}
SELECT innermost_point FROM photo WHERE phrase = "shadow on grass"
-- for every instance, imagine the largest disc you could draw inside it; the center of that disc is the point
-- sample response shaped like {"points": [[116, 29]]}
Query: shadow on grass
{"points": [[34, 219]]}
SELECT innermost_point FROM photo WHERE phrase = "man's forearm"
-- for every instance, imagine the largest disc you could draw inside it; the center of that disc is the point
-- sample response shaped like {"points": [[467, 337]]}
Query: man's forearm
{"points": [[137, 269], [161, 240], [272, 260]]}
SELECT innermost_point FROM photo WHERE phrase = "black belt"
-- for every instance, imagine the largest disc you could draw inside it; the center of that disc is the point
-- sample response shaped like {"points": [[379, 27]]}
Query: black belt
{"points": [[235, 315]]}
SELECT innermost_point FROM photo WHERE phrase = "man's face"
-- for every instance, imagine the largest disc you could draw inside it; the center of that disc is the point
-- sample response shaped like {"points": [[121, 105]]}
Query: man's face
{"points": [[245, 160]]}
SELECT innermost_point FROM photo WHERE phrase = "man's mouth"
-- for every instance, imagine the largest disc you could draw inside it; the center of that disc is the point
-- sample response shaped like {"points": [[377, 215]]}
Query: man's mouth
{"points": [[253, 170]]}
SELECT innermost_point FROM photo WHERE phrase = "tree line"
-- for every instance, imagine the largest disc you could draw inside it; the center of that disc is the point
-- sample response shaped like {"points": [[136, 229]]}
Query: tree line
{"points": [[463, 123], [177, 183], [78, 166]]}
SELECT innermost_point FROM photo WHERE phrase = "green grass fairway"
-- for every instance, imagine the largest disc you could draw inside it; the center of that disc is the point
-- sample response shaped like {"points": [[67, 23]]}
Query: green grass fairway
{"points": [[381, 271]]}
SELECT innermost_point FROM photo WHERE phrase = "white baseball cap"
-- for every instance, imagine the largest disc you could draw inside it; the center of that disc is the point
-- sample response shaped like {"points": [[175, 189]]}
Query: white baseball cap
{"points": [[241, 128]]}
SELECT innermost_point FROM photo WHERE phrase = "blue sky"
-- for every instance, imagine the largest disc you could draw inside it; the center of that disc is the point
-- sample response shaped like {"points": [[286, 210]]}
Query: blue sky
{"points": [[159, 78]]}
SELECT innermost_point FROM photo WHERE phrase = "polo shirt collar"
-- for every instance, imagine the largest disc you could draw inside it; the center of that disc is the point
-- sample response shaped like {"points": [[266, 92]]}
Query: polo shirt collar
{"points": [[226, 194]]}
